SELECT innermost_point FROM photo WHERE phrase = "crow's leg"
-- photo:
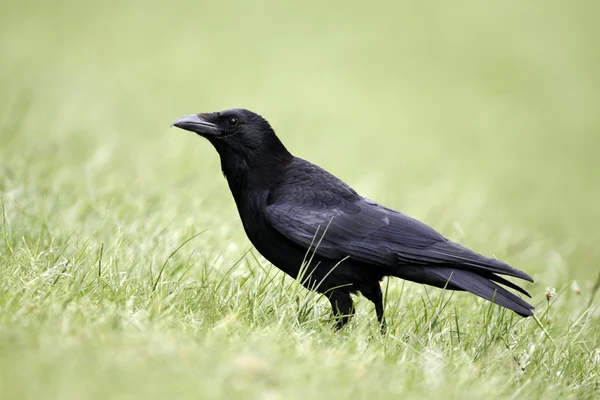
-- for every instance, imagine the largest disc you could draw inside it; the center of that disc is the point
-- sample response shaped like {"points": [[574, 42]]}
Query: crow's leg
{"points": [[373, 293], [342, 306]]}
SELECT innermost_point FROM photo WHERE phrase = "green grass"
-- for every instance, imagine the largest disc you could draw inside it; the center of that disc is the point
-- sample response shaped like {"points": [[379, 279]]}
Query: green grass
{"points": [[481, 120]]}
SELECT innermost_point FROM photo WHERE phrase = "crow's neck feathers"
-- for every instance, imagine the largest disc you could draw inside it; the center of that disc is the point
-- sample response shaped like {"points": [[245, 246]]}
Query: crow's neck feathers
{"points": [[247, 169]]}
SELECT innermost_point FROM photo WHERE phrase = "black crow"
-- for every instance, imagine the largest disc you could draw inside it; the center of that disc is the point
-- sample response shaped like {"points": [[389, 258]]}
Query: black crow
{"points": [[313, 226]]}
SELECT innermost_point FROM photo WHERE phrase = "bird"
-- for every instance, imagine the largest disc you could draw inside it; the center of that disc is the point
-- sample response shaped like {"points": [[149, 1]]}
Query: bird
{"points": [[317, 229]]}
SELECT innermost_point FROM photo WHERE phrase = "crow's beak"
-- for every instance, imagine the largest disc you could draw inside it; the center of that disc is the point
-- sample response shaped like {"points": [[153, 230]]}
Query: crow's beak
{"points": [[195, 123]]}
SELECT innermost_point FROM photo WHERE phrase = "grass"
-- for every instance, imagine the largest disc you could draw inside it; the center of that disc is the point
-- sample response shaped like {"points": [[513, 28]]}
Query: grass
{"points": [[124, 269]]}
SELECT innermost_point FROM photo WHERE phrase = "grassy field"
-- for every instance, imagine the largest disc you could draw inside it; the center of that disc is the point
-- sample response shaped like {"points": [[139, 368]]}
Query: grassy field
{"points": [[481, 120]]}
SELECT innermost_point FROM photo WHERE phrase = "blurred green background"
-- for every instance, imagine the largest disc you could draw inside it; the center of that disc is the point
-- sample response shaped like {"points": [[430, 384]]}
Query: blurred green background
{"points": [[479, 118]]}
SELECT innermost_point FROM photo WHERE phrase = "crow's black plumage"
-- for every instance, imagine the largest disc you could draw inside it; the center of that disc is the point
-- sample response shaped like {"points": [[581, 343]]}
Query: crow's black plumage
{"points": [[293, 211]]}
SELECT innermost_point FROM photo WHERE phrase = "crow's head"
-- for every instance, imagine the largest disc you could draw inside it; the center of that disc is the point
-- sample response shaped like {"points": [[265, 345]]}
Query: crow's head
{"points": [[242, 138], [236, 130]]}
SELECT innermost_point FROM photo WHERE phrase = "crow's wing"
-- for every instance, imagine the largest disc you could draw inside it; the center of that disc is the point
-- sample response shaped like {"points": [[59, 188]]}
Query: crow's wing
{"points": [[338, 226]]}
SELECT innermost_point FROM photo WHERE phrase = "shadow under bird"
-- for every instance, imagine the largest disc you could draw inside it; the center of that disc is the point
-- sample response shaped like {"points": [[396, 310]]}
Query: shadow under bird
{"points": [[294, 211]]}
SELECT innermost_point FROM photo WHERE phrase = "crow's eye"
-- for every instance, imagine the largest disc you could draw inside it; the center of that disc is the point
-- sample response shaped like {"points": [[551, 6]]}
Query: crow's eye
{"points": [[232, 121]]}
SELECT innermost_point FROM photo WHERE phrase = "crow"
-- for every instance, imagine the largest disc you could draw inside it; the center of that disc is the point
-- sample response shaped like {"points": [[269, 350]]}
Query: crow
{"points": [[316, 228]]}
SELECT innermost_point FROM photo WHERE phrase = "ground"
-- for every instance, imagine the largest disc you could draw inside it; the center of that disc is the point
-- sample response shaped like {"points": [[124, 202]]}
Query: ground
{"points": [[480, 120]]}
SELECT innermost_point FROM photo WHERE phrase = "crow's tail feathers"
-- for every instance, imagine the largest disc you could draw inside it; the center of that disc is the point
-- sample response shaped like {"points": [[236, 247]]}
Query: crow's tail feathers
{"points": [[483, 284]]}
